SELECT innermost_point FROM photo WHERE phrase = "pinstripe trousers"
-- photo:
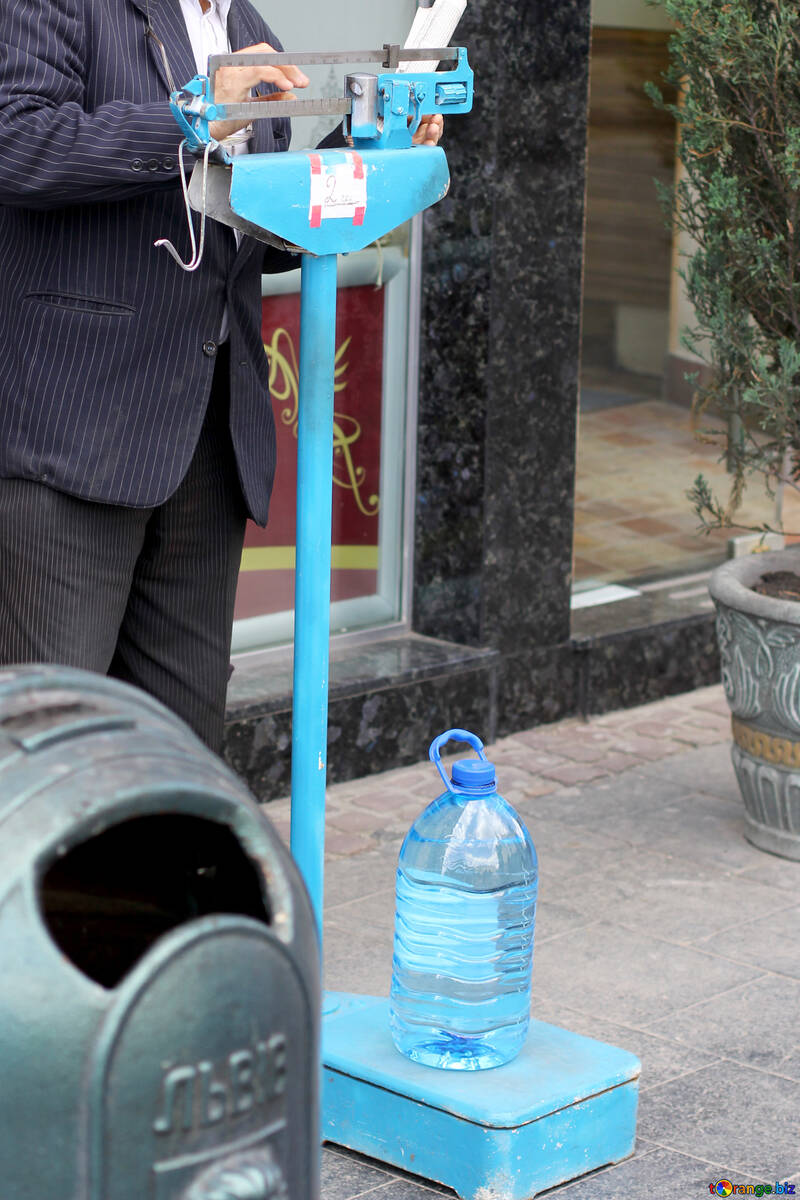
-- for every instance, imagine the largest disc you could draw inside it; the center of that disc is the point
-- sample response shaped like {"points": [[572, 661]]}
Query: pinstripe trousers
{"points": [[143, 594]]}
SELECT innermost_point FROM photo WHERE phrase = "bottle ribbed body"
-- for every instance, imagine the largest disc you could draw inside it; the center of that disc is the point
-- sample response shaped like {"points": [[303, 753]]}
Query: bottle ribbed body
{"points": [[464, 929]]}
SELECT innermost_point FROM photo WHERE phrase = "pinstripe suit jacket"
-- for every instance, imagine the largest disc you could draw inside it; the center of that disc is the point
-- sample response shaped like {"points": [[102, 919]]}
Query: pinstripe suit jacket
{"points": [[104, 375]]}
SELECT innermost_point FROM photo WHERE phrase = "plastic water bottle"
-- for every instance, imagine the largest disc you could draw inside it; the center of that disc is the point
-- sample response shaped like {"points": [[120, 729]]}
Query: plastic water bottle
{"points": [[463, 943]]}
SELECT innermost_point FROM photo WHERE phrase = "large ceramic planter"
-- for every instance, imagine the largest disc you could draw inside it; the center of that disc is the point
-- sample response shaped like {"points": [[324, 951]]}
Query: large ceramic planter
{"points": [[759, 642]]}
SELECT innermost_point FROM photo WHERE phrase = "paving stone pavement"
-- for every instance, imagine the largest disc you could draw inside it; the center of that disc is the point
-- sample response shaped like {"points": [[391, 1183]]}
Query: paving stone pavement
{"points": [[659, 929]]}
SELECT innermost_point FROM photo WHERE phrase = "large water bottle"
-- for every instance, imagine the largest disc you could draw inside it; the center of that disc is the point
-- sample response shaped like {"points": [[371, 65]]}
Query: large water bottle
{"points": [[466, 904]]}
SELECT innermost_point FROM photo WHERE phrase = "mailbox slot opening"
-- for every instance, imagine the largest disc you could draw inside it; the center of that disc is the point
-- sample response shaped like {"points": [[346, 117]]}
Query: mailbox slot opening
{"points": [[108, 899]]}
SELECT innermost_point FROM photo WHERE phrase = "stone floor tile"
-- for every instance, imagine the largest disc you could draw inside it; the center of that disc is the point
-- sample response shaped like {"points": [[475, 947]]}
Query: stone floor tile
{"points": [[510, 778], [540, 787], [627, 975], [755, 1025], [575, 772], [346, 843], [778, 872], [665, 1174], [282, 827], [650, 728], [566, 852], [357, 964], [650, 748], [556, 917], [389, 839], [392, 1174], [355, 878], [673, 897], [375, 912], [278, 809], [699, 735], [712, 699], [401, 777], [657, 811], [743, 1120], [390, 802], [526, 758], [662, 1058], [618, 761], [544, 739], [411, 1188], [708, 770], [716, 723], [355, 820], [791, 1065], [771, 942], [345, 1175], [580, 752]]}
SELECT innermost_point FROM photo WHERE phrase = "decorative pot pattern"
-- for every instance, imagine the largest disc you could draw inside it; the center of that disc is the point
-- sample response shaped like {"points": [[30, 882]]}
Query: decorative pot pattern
{"points": [[761, 677], [760, 668]]}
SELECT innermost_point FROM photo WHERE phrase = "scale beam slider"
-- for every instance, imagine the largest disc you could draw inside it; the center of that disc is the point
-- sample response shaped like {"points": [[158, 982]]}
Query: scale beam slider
{"points": [[257, 109], [380, 111], [390, 57], [387, 56]]}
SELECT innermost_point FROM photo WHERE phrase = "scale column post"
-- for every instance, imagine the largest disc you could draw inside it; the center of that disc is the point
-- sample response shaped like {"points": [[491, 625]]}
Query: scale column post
{"points": [[313, 569]]}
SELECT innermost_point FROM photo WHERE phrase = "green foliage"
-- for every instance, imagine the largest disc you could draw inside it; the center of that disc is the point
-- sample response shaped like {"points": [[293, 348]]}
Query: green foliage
{"points": [[738, 64]]}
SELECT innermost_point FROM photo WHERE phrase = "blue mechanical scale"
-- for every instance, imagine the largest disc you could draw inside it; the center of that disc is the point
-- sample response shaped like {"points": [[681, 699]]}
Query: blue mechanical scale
{"points": [[566, 1104]]}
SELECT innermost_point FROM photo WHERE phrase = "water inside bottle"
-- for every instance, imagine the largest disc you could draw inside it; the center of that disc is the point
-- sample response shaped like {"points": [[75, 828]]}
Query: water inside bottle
{"points": [[461, 970]]}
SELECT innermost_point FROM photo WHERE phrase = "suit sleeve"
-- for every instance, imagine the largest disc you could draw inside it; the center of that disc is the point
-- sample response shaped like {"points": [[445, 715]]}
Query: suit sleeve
{"points": [[52, 152]]}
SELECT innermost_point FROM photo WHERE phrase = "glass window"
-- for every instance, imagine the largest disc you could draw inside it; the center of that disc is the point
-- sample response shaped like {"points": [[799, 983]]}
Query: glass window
{"points": [[637, 451], [375, 349]]}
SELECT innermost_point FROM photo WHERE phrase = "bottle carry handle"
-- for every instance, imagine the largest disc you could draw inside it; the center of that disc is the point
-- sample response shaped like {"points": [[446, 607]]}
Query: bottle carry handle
{"points": [[454, 735]]}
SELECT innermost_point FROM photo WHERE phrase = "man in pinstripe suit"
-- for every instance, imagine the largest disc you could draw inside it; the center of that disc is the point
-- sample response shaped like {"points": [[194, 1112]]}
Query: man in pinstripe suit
{"points": [[136, 433]]}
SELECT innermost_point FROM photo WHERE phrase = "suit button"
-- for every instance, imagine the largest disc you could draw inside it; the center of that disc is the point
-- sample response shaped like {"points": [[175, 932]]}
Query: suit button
{"points": [[137, 164], [210, 348], [153, 164], [168, 164]]}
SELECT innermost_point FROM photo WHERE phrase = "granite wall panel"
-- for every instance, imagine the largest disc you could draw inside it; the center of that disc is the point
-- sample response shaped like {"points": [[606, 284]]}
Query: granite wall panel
{"points": [[368, 732], [648, 664], [500, 344]]}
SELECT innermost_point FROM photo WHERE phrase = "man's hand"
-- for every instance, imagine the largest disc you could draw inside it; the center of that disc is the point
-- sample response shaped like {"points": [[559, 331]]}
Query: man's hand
{"points": [[233, 85], [429, 131]]}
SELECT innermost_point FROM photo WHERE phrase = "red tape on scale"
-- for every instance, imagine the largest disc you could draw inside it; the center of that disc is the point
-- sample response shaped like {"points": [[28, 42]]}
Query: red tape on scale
{"points": [[315, 215]]}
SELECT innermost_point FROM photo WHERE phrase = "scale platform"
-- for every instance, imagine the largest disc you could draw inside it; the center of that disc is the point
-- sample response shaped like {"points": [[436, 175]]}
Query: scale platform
{"points": [[566, 1105]]}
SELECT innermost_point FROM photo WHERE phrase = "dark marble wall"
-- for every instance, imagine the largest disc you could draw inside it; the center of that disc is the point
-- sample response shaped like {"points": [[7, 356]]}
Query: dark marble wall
{"points": [[500, 345], [637, 666], [387, 701]]}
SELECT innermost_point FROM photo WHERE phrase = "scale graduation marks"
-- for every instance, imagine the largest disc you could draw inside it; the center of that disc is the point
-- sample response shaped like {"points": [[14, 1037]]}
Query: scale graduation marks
{"points": [[566, 1104]]}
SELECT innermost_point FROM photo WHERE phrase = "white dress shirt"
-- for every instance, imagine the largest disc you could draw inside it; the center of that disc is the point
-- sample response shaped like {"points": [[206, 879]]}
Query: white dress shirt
{"points": [[208, 31]]}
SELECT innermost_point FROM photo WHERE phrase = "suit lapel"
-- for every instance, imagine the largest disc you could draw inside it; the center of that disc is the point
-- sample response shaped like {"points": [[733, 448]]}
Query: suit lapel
{"points": [[242, 31], [167, 23], [237, 28]]}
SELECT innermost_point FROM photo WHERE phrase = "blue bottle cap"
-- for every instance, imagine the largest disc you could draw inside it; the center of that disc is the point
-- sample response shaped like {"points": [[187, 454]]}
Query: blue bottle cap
{"points": [[473, 774]]}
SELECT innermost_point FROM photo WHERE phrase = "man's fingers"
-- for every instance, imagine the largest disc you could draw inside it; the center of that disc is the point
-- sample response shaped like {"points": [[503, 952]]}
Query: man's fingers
{"points": [[429, 131], [273, 96], [235, 83], [293, 73]]}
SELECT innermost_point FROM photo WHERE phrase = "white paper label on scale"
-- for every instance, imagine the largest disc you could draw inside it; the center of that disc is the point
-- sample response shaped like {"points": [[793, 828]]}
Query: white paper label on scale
{"points": [[337, 190]]}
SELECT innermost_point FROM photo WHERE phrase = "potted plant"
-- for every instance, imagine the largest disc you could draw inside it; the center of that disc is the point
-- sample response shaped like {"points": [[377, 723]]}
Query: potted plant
{"points": [[738, 67]]}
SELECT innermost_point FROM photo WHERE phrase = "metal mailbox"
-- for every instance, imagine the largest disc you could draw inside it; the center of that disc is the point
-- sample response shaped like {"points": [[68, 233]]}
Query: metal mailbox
{"points": [[159, 961]]}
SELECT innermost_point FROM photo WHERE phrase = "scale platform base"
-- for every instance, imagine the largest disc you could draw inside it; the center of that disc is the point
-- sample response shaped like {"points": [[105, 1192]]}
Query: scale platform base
{"points": [[566, 1105]]}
